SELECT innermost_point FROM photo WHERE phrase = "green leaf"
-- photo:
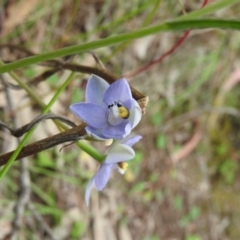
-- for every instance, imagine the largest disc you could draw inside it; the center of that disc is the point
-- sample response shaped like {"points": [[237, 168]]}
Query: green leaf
{"points": [[161, 141], [193, 237], [185, 221], [43, 209], [148, 195], [30, 72], [178, 202], [154, 177], [78, 229], [43, 195], [228, 170], [44, 160], [159, 195], [156, 119], [139, 187], [53, 80], [194, 213], [77, 95], [138, 157]]}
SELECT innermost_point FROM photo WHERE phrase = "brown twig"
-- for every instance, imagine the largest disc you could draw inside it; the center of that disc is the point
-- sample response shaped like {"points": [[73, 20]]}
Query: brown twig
{"points": [[43, 76], [20, 131], [71, 135]]}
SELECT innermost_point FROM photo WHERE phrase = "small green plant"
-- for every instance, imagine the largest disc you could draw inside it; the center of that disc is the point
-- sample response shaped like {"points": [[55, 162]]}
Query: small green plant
{"points": [[193, 215], [228, 170], [156, 119], [161, 141], [78, 229], [178, 202], [193, 237]]}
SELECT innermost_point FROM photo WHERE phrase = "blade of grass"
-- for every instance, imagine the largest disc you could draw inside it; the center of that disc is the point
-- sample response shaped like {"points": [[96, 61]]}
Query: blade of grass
{"points": [[163, 27], [55, 175], [43, 209], [211, 8], [46, 197]]}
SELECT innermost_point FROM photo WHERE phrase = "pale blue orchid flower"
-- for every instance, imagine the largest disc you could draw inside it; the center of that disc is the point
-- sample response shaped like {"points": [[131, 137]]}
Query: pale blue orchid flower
{"points": [[119, 152], [110, 110]]}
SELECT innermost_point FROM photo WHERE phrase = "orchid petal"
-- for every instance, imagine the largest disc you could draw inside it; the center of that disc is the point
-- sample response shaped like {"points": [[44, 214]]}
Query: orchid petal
{"points": [[88, 190], [102, 176], [119, 91], [135, 114], [119, 153], [96, 87], [118, 131], [132, 140], [90, 113], [95, 133]]}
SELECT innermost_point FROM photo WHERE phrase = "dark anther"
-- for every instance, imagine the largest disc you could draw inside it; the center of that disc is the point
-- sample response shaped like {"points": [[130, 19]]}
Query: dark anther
{"points": [[110, 106]]}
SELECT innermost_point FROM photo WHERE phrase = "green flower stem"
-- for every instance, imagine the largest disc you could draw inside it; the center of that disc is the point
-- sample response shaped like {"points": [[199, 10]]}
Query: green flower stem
{"points": [[91, 151], [163, 27]]}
